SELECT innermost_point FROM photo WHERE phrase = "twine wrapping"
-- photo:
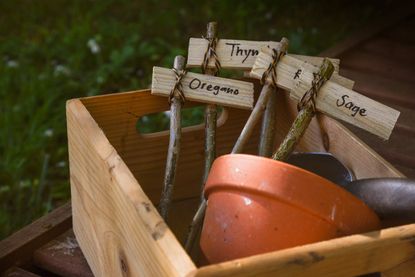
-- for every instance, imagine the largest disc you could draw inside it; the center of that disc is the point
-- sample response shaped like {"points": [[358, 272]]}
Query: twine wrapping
{"points": [[211, 53], [178, 85], [309, 97], [272, 68]]}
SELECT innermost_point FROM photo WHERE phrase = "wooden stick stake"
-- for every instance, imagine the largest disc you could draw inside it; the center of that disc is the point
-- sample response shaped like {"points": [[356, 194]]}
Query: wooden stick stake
{"points": [[211, 115], [174, 146], [258, 110], [302, 120], [195, 226], [267, 135]]}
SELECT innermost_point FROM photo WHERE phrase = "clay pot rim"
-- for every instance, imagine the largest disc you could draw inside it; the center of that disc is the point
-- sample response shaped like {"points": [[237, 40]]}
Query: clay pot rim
{"points": [[348, 201]]}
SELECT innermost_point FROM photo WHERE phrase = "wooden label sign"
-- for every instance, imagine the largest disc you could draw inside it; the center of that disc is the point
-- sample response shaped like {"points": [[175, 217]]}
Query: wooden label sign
{"points": [[237, 54], [333, 99], [205, 88]]}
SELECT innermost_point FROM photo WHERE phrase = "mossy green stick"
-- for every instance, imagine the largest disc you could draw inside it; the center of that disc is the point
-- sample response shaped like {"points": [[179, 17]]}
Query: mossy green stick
{"points": [[303, 118]]}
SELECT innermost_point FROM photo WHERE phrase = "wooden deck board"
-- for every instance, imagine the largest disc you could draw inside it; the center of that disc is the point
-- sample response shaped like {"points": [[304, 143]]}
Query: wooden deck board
{"points": [[18, 248], [62, 256], [382, 67], [19, 272], [369, 62], [404, 33], [397, 50], [382, 88]]}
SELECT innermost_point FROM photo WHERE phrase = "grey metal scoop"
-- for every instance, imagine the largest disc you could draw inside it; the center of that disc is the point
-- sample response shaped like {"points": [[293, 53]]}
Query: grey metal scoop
{"points": [[390, 198], [323, 164]]}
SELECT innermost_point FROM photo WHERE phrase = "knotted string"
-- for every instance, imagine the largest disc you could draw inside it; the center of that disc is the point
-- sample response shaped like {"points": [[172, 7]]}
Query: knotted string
{"points": [[310, 96], [211, 53], [178, 85], [272, 68]]}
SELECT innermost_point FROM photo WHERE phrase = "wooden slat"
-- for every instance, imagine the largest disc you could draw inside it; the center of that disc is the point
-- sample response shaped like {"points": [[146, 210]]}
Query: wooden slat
{"points": [[392, 49], [18, 248], [117, 226], [383, 87], [397, 14], [19, 272], [399, 149], [63, 257], [378, 64], [408, 172], [401, 270], [403, 33], [349, 256]]}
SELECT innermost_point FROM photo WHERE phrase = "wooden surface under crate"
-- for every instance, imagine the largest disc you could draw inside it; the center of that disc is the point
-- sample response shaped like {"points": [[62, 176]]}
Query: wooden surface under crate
{"points": [[42, 247]]}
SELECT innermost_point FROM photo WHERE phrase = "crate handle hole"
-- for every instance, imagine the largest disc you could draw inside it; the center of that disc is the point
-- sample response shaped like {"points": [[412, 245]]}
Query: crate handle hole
{"points": [[193, 118]]}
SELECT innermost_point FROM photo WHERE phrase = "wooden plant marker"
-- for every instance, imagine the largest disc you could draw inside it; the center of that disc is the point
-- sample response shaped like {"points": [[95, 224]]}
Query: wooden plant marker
{"points": [[205, 88], [333, 99], [241, 55]]}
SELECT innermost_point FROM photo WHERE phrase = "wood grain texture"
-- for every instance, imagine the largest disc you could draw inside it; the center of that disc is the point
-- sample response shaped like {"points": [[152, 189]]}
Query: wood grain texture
{"points": [[238, 54], [205, 88], [349, 256], [117, 226], [18, 248], [296, 76]]}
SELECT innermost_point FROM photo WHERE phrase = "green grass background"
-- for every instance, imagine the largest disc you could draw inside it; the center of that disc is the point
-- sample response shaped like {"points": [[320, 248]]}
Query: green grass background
{"points": [[45, 60]]}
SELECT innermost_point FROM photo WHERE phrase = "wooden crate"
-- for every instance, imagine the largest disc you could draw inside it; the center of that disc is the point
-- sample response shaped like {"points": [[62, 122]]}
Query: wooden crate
{"points": [[116, 176]]}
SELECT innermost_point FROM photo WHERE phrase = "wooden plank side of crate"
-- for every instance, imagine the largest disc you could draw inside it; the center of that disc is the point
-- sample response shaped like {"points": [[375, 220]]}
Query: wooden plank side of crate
{"points": [[118, 228], [353, 255]]}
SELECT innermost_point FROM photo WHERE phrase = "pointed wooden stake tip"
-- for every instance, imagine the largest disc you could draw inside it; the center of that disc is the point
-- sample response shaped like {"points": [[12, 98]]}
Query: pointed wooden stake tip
{"points": [[326, 69], [212, 30], [179, 62], [284, 44]]}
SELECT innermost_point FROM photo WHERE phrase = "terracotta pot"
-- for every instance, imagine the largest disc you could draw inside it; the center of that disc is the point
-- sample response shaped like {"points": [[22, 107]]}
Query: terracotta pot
{"points": [[257, 205]]}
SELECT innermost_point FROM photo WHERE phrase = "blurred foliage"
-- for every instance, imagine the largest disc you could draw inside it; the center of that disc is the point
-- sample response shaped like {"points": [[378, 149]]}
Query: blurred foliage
{"points": [[51, 51]]}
